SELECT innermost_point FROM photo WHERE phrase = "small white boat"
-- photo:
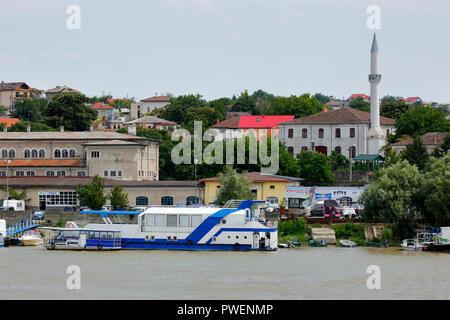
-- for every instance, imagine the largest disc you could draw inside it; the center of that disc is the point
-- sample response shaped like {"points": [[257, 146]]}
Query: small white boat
{"points": [[31, 238], [347, 243], [411, 245], [2, 241]]}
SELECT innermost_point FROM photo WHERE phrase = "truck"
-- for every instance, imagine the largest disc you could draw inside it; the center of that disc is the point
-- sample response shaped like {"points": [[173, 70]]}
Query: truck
{"points": [[12, 205]]}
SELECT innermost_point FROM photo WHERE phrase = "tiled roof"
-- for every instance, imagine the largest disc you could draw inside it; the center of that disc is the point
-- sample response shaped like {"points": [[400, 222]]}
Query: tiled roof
{"points": [[111, 142], [12, 85], [428, 139], [254, 177], [231, 123], [412, 99], [62, 89], [44, 163], [342, 115], [80, 135], [9, 121], [157, 99], [101, 105], [356, 95], [245, 122], [152, 120]]}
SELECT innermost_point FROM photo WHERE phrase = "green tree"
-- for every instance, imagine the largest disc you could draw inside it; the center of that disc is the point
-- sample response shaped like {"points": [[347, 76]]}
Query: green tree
{"points": [[207, 115], [234, 186], [390, 155], [92, 194], [301, 106], [441, 150], [221, 105], [118, 198], [393, 109], [69, 110], [323, 99], [14, 195], [420, 120], [393, 197], [338, 161], [244, 103], [416, 153], [177, 108], [29, 109], [315, 167], [360, 104], [34, 127]]}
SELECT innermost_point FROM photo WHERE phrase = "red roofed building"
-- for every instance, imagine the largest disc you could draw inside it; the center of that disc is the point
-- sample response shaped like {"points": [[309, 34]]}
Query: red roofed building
{"points": [[8, 122], [413, 100], [237, 127], [105, 111], [152, 103], [357, 95]]}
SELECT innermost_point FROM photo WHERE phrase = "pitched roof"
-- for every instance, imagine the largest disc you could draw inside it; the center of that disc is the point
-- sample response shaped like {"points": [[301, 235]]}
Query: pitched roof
{"points": [[152, 120], [12, 85], [157, 99], [356, 95], [413, 99], [80, 135], [101, 105], [9, 121], [254, 177], [428, 139], [112, 143], [244, 122], [342, 115], [62, 89], [44, 163]]}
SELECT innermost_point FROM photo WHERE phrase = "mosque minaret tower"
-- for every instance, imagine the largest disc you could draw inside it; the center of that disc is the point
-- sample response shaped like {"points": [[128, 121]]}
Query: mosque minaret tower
{"points": [[376, 136]]}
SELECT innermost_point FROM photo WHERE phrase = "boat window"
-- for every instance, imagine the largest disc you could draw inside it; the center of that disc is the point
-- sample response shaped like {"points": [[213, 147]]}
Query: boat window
{"points": [[148, 219], [91, 234], [97, 235], [196, 220], [160, 220], [171, 220], [184, 220]]}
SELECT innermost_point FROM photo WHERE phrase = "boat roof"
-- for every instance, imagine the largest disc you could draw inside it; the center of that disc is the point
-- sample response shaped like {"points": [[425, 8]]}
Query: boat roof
{"points": [[74, 229], [176, 210]]}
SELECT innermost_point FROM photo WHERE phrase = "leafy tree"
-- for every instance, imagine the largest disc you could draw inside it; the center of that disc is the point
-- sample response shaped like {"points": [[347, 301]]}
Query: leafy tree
{"points": [[393, 109], [441, 150], [221, 105], [69, 110], [176, 110], [393, 197], [91, 194], [416, 153], [245, 103], [360, 104], [323, 99], [103, 98], [117, 198], [389, 99], [301, 106], [3, 109], [420, 120], [29, 109], [159, 112], [14, 195], [315, 167], [338, 161], [390, 155], [233, 186], [34, 127], [207, 115]]}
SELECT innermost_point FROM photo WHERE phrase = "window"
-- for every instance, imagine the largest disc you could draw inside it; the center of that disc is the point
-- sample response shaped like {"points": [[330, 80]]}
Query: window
{"points": [[30, 173], [304, 133], [338, 133], [72, 153], [352, 132], [148, 219], [42, 153], [112, 173], [95, 154], [4, 153], [17, 94], [320, 133], [105, 173], [272, 200], [62, 198], [172, 220], [12, 153], [26, 153], [57, 153], [34, 153], [387, 132], [119, 173], [192, 200], [160, 220], [353, 152], [166, 201], [141, 201], [60, 173], [20, 173], [272, 187], [2, 173], [196, 220], [304, 148], [184, 220], [338, 150], [290, 133], [290, 150], [65, 153], [81, 173], [50, 173]]}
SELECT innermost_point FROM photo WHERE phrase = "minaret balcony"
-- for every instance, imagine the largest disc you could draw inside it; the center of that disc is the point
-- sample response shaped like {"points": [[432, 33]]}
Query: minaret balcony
{"points": [[375, 77]]}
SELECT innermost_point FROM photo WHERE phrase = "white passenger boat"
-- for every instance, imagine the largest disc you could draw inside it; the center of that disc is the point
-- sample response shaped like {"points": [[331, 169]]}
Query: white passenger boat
{"points": [[411, 245], [240, 225], [31, 238]]}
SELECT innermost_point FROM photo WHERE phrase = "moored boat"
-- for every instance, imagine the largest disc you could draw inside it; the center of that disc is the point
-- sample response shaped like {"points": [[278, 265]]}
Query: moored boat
{"points": [[345, 243], [411, 245], [31, 238], [315, 243]]}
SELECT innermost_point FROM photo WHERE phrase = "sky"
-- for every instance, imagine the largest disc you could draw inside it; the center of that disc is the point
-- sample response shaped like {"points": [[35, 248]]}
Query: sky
{"points": [[218, 48]]}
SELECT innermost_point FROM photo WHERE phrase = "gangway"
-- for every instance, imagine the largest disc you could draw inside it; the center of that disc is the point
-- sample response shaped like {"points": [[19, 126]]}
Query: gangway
{"points": [[24, 225]]}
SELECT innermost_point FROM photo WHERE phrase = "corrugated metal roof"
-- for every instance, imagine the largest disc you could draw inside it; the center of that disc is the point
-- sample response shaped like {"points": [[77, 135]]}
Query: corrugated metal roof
{"points": [[79, 135]]}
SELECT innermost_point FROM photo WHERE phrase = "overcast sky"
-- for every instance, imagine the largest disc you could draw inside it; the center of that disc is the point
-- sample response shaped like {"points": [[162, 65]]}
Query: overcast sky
{"points": [[221, 47]]}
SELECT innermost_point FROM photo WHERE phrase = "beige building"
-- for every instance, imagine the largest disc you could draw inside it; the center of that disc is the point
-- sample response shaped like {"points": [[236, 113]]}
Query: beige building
{"points": [[107, 154], [60, 192], [49, 94], [11, 91]]}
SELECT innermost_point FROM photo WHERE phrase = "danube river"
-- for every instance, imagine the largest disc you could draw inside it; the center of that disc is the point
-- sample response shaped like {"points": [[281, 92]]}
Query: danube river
{"points": [[300, 273]]}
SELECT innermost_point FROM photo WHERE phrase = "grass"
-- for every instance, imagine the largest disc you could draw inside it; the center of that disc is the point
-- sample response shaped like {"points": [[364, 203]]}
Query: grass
{"points": [[351, 231], [293, 230]]}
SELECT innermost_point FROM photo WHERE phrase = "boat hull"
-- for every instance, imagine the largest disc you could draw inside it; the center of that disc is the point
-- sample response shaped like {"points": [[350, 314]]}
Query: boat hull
{"points": [[31, 242]]}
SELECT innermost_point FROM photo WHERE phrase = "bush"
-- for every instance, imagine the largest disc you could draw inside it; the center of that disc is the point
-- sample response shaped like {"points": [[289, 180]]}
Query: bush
{"points": [[351, 231], [292, 230]]}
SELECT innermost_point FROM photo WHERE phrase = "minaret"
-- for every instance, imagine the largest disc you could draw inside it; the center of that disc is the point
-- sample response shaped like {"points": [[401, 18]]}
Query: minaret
{"points": [[375, 134]]}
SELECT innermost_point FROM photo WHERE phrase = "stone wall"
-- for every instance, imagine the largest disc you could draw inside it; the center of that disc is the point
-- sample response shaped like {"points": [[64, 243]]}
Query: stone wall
{"points": [[343, 177]]}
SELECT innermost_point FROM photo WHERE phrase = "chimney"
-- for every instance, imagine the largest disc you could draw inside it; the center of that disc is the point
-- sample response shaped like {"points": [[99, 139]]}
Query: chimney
{"points": [[61, 129], [132, 130], [3, 84], [28, 127]]}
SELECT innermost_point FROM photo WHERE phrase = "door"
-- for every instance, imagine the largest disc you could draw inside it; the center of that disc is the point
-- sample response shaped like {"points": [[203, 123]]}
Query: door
{"points": [[256, 240], [322, 149], [42, 205]]}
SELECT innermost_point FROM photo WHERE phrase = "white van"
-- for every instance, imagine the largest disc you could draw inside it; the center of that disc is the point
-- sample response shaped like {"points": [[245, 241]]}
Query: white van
{"points": [[13, 205], [3, 227]]}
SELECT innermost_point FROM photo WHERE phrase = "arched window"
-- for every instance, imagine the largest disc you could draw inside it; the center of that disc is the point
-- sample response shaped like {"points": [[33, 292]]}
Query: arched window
{"points": [[42, 153], [338, 133], [166, 201], [192, 200], [290, 133], [304, 133], [26, 153], [304, 148], [4, 153], [65, 153], [72, 153], [12, 153], [290, 150], [353, 152], [34, 153], [142, 201], [57, 153], [320, 133], [338, 150]]}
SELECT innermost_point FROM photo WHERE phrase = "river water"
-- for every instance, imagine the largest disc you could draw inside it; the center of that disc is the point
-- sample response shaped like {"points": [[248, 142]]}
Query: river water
{"points": [[300, 273]]}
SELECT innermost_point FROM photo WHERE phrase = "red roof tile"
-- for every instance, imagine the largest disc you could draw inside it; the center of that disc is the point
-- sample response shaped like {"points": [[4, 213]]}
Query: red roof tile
{"points": [[101, 105], [44, 163], [246, 122], [157, 99], [9, 121], [254, 177]]}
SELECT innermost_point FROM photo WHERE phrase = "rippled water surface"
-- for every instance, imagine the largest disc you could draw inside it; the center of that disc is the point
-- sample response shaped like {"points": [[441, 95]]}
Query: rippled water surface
{"points": [[301, 273]]}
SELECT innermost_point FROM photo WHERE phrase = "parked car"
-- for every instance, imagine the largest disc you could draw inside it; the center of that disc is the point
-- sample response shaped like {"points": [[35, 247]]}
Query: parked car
{"points": [[321, 210], [38, 215]]}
